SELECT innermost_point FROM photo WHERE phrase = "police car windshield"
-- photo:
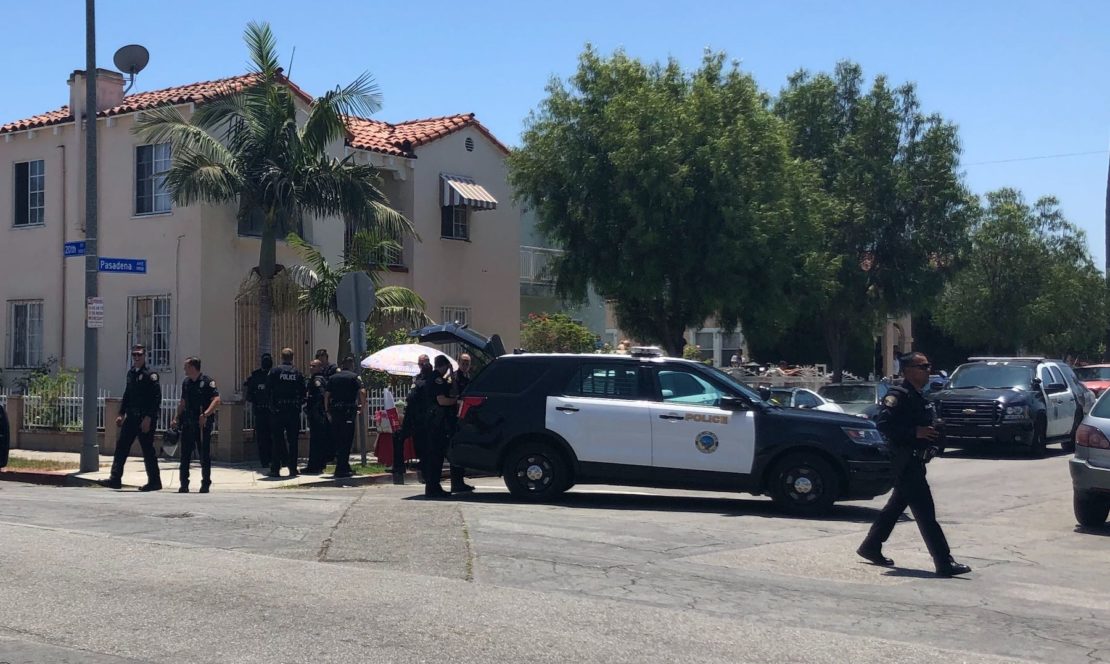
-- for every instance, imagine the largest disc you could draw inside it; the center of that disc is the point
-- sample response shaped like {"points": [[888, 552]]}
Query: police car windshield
{"points": [[992, 376], [842, 394], [743, 389]]}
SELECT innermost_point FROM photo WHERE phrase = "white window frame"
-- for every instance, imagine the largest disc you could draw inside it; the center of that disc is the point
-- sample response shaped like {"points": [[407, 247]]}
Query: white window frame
{"points": [[454, 314], [36, 189], [155, 335], [33, 332], [161, 157]]}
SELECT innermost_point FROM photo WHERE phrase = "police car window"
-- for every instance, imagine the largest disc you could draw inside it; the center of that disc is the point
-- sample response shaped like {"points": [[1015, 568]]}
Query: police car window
{"points": [[509, 376], [681, 387], [1057, 377], [780, 397], [804, 399], [1045, 375], [606, 381]]}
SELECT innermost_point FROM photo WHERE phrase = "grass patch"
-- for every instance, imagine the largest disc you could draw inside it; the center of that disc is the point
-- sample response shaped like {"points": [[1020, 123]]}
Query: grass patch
{"points": [[19, 463], [359, 469]]}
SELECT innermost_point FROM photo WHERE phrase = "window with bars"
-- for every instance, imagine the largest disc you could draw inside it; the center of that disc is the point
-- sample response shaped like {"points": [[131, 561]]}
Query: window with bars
{"points": [[455, 222], [30, 193], [150, 325], [455, 314], [25, 334], [151, 163]]}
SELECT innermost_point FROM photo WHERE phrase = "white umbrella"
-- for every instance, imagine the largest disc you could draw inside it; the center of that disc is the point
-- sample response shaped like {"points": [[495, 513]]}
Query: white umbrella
{"points": [[400, 360]]}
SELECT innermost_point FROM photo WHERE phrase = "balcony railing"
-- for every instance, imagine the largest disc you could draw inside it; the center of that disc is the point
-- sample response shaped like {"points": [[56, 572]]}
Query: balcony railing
{"points": [[535, 265]]}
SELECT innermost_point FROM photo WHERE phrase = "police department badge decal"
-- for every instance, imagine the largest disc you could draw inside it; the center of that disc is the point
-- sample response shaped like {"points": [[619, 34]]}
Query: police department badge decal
{"points": [[706, 442], [890, 401], [154, 377]]}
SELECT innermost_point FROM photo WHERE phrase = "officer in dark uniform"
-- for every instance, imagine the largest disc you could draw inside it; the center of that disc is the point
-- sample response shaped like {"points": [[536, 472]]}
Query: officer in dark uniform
{"points": [[5, 436], [257, 393], [286, 386], [445, 397], [462, 379], [329, 369], [138, 418], [319, 442], [198, 404], [417, 421], [906, 421], [343, 398]]}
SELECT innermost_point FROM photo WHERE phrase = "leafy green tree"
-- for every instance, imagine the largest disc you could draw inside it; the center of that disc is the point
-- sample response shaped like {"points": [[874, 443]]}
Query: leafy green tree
{"points": [[897, 209], [556, 333], [318, 282], [251, 148], [672, 193], [1027, 283]]}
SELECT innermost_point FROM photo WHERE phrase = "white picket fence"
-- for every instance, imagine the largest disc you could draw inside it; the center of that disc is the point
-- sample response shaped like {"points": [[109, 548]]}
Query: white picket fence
{"points": [[64, 412]]}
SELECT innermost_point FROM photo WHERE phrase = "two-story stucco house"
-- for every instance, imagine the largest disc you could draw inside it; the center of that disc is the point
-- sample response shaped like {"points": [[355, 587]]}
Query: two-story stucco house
{"points": [[447, 174]]}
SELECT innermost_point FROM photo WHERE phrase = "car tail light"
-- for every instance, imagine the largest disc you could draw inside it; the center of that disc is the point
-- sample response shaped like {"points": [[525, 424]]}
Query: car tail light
{"points": [[1089, 436], [469, 402]]}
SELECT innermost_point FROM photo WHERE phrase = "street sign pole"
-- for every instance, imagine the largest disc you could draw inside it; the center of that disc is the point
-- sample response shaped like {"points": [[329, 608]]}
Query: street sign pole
{"points": [[90, 451], [355, 298]]}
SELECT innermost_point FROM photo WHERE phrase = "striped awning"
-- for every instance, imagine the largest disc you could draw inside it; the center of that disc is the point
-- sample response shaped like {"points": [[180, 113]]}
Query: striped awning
{"points": [[459, 190]]}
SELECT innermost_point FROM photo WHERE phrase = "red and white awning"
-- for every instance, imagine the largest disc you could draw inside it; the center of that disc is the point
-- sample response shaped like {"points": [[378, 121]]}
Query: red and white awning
{"points": [[459, 190]]}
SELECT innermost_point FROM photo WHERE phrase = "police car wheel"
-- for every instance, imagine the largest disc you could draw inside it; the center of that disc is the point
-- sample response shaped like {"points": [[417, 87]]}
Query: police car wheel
{"points": [[803, 484], [536, 472], [1037, 446]]}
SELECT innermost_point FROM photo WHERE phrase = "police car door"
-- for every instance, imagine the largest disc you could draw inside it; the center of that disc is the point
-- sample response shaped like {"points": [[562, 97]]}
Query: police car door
{"points": [[690, 430], [603, 414]]}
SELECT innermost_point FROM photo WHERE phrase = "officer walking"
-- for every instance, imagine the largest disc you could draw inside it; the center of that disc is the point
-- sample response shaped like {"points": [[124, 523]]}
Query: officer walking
{"points": [[906, 421], [286, 386], [344, 397], [256, 392], [445, 397], [462, 379], [138, 414], [198, 404], [319, 442], [418, 411]]}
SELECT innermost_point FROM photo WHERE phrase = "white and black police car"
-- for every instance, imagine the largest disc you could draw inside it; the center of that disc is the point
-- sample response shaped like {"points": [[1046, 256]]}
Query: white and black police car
{"points": [[545, 422]]}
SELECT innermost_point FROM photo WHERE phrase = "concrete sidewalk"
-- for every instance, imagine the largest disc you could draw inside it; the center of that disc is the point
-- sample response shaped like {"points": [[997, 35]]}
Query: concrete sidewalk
{"points": [[225, 477]]}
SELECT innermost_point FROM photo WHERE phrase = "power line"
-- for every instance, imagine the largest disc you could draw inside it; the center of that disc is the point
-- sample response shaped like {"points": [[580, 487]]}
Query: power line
{"points": [[1045, 156]]}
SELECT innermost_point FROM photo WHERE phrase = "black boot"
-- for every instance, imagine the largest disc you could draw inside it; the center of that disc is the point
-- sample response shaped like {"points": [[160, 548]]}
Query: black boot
{"points": [[204, 486], [184, 488], [951, 568], [110, 483], [150, 487], [874, 556]]}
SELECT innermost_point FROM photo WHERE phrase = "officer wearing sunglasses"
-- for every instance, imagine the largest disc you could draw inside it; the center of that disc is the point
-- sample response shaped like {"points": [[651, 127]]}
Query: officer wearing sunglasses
{"points": [[906, 421]]}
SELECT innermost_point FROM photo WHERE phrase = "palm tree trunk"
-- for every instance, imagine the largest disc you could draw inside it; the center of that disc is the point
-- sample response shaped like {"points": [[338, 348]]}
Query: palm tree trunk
{"points": [[267, 265]]}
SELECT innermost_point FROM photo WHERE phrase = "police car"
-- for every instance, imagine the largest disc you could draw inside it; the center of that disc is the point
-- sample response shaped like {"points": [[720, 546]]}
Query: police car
{"points": [[545, 422]]}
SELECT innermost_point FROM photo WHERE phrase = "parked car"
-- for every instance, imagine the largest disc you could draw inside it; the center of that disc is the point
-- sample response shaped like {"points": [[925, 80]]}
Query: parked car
{"points": [[1095, 377], [799, 397], [546, 422], [1017, 402], [856, 398], [1090, 467]]}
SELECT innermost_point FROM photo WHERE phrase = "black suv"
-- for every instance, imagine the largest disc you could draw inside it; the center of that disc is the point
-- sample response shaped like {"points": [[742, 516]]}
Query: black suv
{"points": [[545, 422], [1022, 402]]}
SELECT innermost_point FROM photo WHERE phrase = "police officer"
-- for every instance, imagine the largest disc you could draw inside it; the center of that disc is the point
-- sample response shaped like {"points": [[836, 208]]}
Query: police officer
{"points": [[257, 393], [5, 436], [344, 397], [138, 415], [286, 386], [198, 404], [906, 421], [418, 412], [329, 369], [319, 442], [445, 396], [462, 379]]}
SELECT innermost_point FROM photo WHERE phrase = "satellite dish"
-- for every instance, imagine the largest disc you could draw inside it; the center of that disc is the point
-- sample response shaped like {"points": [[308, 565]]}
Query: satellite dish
{"points": [[131, 60]]}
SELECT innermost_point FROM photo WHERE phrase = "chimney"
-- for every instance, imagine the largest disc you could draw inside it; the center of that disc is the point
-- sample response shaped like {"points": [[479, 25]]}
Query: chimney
{"points": [[109, 90]]}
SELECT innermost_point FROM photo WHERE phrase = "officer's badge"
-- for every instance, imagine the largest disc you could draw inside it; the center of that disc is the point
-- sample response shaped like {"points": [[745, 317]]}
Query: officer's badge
{"points": [[890, 400]]}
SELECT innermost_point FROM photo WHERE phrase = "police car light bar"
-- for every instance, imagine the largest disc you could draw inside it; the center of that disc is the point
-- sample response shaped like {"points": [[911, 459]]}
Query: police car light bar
{"points": [[646, 351], [1006, 359]]}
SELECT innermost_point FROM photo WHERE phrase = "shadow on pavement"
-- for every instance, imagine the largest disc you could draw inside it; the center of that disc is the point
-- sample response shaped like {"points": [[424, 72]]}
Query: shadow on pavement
{"points": [[995, 453], [906, 573], [695, 504], [1098, 531]]}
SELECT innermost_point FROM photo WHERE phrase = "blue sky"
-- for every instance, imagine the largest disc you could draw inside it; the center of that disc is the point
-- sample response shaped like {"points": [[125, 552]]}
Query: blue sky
{"points": [[1022, 79]]}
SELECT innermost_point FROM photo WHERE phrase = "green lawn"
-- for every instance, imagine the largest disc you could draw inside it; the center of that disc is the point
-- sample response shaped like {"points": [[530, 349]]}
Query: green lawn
{"points": [[359, 469], [19, 463]]}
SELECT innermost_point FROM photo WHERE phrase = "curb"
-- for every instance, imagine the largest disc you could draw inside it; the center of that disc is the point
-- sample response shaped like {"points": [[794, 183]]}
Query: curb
{"points": [[44, 477]]}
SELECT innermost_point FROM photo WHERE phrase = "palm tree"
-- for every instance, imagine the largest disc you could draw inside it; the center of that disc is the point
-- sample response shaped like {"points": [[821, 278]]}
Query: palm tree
{"points": [[247, 147], [317, 282]]}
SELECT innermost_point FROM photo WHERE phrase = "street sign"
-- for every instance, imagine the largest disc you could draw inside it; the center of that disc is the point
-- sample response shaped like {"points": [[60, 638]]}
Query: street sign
{"points": [[72, 249], [94, 314], [355, 297], [125, 265]]}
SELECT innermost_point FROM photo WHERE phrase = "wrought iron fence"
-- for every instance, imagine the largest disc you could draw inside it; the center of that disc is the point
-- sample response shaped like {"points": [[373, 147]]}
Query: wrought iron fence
{"points": [[63, 411]]}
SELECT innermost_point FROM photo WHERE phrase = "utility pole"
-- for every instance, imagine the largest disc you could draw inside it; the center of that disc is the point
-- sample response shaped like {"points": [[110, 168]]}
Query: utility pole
{"points": [[90, 451]]}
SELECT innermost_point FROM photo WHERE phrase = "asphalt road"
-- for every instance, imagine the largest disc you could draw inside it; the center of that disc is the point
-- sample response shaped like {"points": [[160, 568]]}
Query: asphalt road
{"points": [[607, 575]]}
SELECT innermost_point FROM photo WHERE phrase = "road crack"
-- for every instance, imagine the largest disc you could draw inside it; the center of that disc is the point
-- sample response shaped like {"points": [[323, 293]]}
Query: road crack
{"points": [[325, 546]]}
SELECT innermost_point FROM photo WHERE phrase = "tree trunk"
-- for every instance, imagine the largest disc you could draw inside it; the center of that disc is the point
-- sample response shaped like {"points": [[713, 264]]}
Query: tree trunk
{"points": [[267, 265], [834, 341]]}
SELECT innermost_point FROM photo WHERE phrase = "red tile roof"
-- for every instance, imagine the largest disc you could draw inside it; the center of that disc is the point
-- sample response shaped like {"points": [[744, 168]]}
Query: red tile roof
{"points": [[403, 138], [196, 93], [394, 139]]}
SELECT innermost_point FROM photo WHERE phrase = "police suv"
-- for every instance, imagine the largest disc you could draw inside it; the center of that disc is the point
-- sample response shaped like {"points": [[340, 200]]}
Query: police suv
{"points": [[545, 422]]}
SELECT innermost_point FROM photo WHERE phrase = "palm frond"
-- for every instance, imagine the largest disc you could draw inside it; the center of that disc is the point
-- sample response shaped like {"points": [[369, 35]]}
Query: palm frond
{"points": [[194, 177], [311, 255], [263, 49]]}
